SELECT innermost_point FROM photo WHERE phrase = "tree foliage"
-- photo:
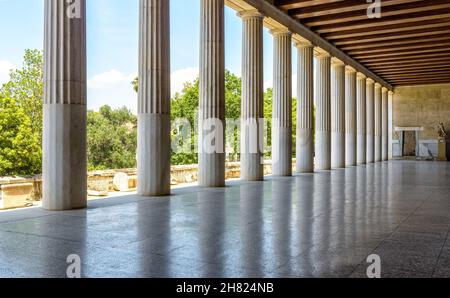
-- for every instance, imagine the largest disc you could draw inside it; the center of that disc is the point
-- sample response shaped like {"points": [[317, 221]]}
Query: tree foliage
{"points": [[21, 118], [112, 138]]}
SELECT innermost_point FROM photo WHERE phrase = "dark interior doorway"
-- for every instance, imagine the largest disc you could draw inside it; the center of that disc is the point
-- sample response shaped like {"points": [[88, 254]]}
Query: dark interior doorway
{"points": [[409, 143]]}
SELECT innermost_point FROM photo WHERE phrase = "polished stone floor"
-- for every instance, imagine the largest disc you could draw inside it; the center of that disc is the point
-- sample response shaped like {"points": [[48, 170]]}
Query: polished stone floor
{"points": [[313, 225]]}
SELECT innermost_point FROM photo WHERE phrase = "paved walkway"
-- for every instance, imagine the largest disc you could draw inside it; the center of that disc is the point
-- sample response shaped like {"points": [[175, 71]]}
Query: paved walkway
{"points": [[313, 225]]}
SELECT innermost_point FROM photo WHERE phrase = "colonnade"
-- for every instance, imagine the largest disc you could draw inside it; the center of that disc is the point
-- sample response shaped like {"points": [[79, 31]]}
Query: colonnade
{"points": [[351, 117]]}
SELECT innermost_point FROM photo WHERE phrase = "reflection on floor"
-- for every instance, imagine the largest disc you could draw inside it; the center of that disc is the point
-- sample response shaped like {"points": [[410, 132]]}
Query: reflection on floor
{"points": [[314, 225]]}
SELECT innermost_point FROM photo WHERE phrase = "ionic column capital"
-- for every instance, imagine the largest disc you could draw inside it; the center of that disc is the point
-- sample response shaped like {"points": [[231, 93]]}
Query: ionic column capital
{"points": [[349, 69], [282, 31], [370, 81], [391, 92], [303, 44], [384, 90], [250, 14], [361, 76], [335, 62], [377, 85]]}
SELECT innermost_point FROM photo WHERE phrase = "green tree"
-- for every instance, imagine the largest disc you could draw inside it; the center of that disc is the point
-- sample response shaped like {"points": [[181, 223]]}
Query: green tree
{"points": [[20, 149], [26, 87], [21, 118], [112, 139]]}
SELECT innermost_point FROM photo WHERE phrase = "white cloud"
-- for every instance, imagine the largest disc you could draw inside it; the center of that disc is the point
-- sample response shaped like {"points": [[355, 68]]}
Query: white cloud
{"points": [[269, 84], [181, 76], [113, 88], [5, 68]]}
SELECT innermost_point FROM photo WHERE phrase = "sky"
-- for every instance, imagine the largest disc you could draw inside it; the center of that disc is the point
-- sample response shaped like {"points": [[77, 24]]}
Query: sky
{"points": [[112, 27]]}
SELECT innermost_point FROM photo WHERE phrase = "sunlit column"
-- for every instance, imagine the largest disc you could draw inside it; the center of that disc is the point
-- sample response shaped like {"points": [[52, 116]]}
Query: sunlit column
{"points": [[370, 119], [64, 137], [252, 105], [337, 114], [385, 121], [212, 95], [305, 108], [323, 113], [153, 149], [361, 123], [377, 121], [282, 104], [350, 116]]}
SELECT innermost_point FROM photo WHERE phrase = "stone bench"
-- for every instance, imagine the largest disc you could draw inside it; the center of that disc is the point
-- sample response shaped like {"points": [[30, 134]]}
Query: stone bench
{"points": [[16, 195]]}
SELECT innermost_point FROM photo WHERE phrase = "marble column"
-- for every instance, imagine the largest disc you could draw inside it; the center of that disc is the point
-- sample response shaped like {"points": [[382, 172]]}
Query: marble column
{"points": [[305, 108], [211, 157], [350, 116], [390, 123], [337, 114], [384, 124], [282, 104], [370, 119], [361, 123], [153, 151], [323, 112], [377, 121], [64, 171], [252, 104]]}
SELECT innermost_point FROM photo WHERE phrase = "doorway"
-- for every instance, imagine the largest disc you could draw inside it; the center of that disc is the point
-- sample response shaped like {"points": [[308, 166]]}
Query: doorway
{"points": [[409, 143]]}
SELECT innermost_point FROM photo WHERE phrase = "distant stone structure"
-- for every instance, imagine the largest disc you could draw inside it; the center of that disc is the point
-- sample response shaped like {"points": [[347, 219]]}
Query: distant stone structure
{"points": [[441, 131]]}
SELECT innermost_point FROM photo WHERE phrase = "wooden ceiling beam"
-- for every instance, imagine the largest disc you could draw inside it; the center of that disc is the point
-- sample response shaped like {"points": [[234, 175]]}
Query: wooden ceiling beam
{"points": [[407, 58], [293, 4], [413, 70], [418, 75], [342, 7], [397, 43], [392, 49], [402, 64], [398, 10], [393, 36], [385, 21], [421, 82], [402, 53], [410, 27]]}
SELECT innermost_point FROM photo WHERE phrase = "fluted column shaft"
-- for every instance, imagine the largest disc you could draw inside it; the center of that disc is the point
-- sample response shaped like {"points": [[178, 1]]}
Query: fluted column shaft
{"points": [[282, 104], [378, 124], [350, 117], [323, 113], [385, 121], [337, 114], [252, 105], [64, 137], [370, 117], [153, 151], [390, 124], [361, 123], [212, 95], [305, 109]]}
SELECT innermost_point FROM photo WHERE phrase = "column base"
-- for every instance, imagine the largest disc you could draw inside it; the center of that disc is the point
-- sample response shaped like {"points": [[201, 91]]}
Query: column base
{"points": [[211, 169], [281, 151], [370, 153], [64, 160], [252, 168], [323, 150], [305, 151], [350, 150], [337, 150], [153, 155]]}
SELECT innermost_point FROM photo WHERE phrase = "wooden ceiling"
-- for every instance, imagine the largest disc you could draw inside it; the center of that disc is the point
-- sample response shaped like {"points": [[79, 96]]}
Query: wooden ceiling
{"points": [[408, 45]]}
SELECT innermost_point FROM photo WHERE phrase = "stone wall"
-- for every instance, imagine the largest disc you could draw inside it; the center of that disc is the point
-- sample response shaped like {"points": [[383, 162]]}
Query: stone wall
{"points": [[423, 106], [102, 181]]}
